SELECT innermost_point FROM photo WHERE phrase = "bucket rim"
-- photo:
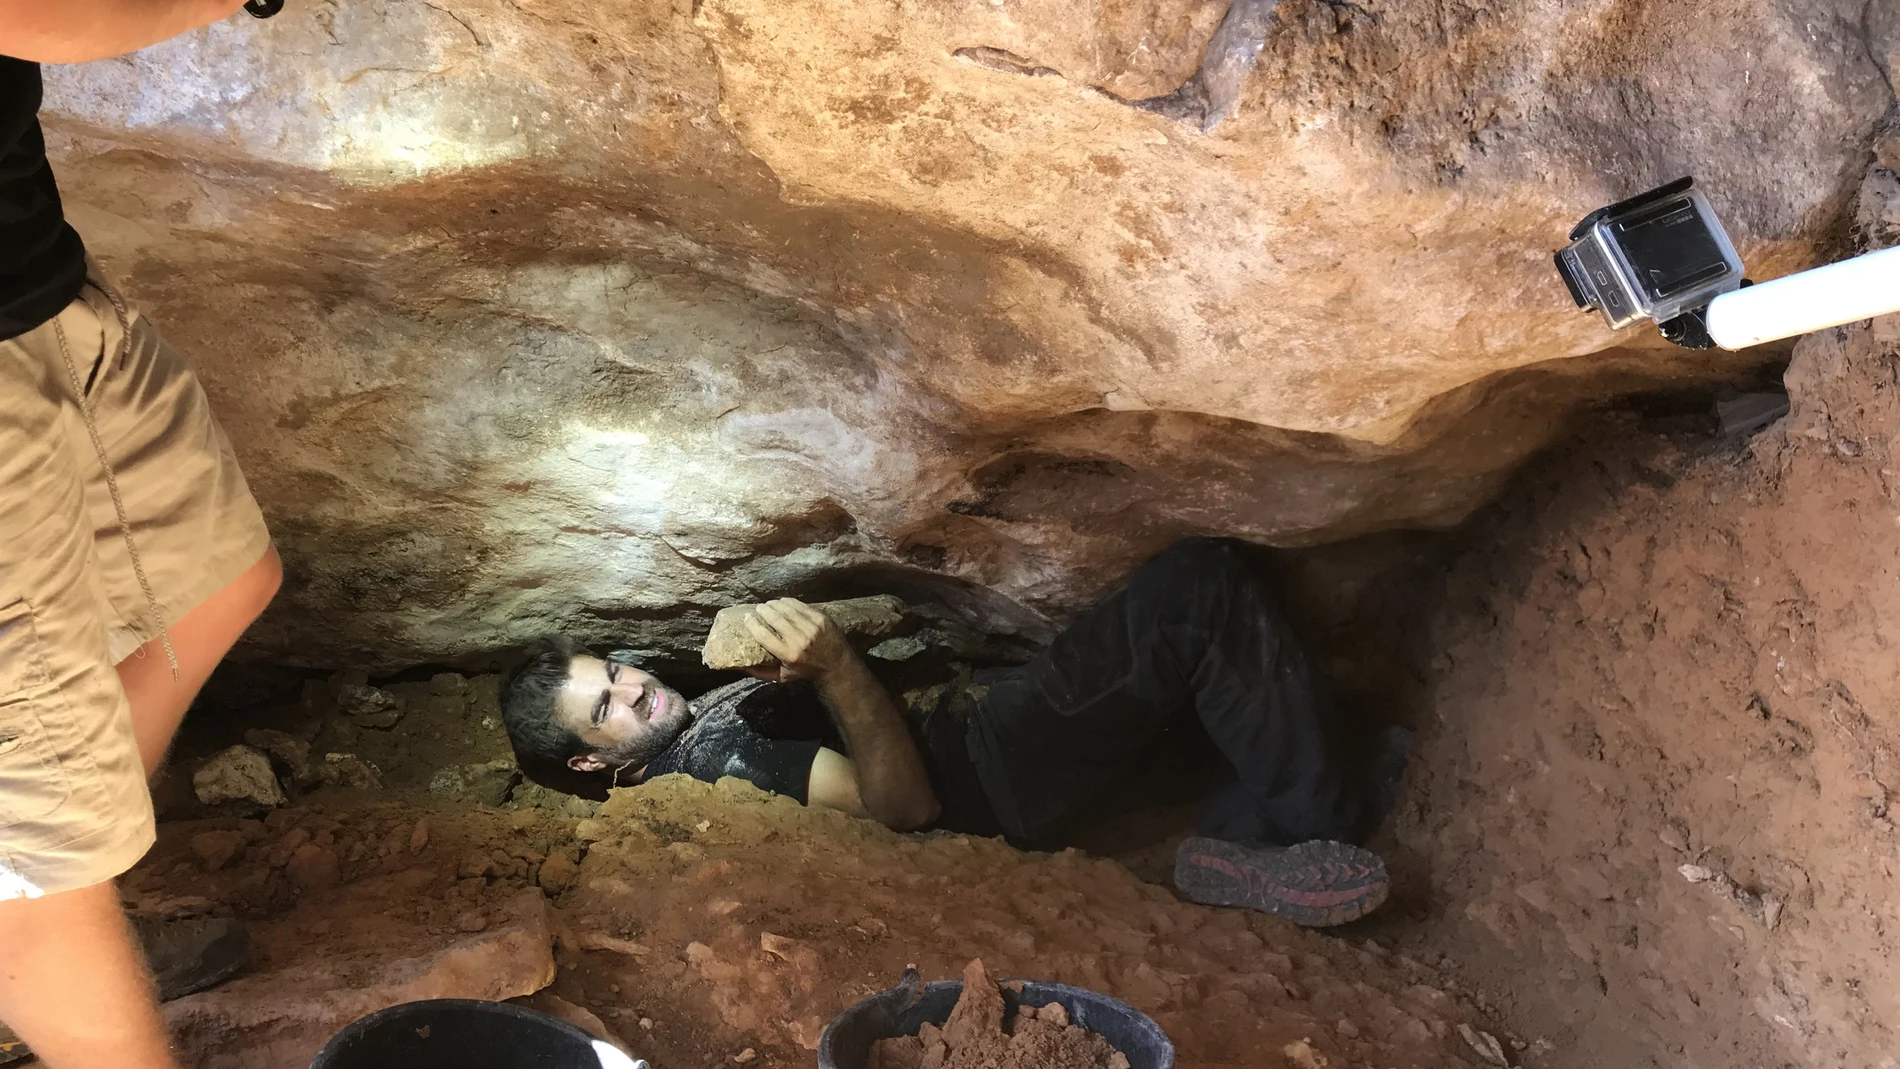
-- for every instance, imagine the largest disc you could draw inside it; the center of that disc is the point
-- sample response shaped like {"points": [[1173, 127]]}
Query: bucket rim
{"points": [[376, 1018]]}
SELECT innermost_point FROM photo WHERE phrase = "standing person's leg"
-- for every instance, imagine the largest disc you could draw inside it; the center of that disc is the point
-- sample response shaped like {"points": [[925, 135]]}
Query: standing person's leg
{"points": [[199, 641], [74, 812], [198, 566], [152, 526]]}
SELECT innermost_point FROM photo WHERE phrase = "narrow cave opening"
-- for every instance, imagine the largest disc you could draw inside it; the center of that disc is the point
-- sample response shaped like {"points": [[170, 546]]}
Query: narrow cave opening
{"points": [[1255, 597]]}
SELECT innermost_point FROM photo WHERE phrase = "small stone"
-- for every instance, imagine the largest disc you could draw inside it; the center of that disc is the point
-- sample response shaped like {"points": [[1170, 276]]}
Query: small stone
{"points": [[472, 921], [214, 849], [1484, 1044], [448, 684], [1054, 1013], [730, 645], [591, 830], [613, 989], [702, 825], [475, 865], [646, 1023], [288, 750], [488, 783], [1696, 873], [369, 707], [557, 873], [314, 868], [902, 648], [745, 1056], [419, 837], [292, 840], [349, 770], [237, 774], [1301, 1053]]}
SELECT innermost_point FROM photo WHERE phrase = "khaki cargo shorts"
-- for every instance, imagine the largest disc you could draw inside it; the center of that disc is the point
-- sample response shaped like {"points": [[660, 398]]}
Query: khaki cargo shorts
{"points": [[74, 808]]}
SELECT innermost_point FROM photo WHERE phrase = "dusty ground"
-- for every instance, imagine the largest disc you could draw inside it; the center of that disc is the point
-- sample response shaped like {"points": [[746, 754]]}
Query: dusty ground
{"points": [[704, 921], [1659, 757]]}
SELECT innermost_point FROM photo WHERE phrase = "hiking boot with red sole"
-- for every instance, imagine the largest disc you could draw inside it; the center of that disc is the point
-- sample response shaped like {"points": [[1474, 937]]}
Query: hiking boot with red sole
{"points": [[1314, 884]]}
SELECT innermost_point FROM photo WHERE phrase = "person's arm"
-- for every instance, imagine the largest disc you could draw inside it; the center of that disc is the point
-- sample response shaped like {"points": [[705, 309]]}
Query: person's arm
{"points": [[834, 784], [884, 767], [73, 31], [73, 983]]}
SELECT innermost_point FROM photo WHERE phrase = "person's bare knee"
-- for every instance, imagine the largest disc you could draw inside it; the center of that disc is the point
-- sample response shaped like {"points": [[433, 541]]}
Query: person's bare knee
{"points": [[254, 589]]}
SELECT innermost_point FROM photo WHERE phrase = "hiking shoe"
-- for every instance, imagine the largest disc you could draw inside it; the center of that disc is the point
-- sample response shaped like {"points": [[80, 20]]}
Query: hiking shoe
{"points": [[12, 1047], [189, 954], [1314, 884]]}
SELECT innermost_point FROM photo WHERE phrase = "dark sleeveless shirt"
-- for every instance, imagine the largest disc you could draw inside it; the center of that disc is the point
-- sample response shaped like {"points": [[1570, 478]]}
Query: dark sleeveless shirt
{"points": [[42, 262]]}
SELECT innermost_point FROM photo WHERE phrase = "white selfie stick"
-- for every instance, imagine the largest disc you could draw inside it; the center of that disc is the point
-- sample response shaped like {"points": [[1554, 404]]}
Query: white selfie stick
{"points": [[1846, 292]]}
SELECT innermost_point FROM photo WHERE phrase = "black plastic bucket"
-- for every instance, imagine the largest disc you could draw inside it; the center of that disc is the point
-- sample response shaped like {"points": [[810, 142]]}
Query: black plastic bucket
{"points": [[846, 1043], [464, 1033]]}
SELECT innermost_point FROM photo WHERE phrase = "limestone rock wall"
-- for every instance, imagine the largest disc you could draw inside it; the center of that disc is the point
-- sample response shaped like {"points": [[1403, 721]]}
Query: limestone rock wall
{"points": [[537, 313]]}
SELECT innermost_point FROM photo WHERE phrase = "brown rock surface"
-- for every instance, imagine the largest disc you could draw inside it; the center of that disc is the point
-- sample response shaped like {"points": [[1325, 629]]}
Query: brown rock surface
{"points": [[548, 315], [372, 952]]}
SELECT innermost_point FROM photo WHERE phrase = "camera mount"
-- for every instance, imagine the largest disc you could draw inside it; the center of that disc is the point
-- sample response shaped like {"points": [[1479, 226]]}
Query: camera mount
{"points": [[1663, 256]]}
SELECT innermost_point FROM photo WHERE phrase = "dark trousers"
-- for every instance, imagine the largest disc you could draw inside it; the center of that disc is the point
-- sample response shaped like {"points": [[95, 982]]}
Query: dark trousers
{"points": [[1196, 637]]}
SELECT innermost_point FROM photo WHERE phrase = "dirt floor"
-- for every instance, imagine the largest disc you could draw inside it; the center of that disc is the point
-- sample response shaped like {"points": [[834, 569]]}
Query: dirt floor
{"points": [[702, 922]]}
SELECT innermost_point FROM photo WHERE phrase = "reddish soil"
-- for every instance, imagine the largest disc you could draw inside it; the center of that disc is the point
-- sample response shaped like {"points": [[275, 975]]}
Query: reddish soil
{"points": [[1650, 815], [705, 921]]}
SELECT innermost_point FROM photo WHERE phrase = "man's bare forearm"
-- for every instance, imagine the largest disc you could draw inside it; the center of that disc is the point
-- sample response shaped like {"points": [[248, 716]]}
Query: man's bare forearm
{"points": [[891, 776], [73, 31], [73, 983]]}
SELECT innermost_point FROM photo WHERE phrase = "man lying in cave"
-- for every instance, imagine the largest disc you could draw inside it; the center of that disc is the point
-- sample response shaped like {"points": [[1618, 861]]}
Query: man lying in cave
{"points": [[1196, 639]]}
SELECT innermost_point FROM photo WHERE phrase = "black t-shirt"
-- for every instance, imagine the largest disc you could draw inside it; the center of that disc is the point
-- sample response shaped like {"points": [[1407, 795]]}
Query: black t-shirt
{"points": [[42, 261], [725, 740]]}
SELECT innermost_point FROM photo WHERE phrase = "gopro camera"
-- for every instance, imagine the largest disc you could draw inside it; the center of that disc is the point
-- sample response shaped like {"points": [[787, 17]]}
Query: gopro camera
{"points": [[1654, 256]]}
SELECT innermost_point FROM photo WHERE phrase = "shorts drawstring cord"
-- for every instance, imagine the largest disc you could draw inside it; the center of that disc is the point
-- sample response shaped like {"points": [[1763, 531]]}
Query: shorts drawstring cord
{"points": [[112, 481]]}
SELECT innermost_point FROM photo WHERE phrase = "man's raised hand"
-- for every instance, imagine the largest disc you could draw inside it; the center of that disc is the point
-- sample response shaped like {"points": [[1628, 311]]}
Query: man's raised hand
{"points": [[804, 641]]}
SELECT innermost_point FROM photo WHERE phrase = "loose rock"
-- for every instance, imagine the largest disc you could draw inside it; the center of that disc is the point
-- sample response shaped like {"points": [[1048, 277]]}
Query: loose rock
{"points": [[369, 707], [290, 751], [349, 770], [556, 873], [237, 774], [314, 868], [214, 849], [730, 645]]}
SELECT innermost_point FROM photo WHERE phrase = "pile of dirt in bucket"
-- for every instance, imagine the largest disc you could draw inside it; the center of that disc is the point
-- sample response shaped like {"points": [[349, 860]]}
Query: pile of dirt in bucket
{"points": [[977, 1036]]}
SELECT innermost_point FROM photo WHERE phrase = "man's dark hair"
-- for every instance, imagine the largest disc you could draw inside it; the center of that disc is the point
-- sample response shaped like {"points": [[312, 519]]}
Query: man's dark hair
{"points": [[527, 701]]}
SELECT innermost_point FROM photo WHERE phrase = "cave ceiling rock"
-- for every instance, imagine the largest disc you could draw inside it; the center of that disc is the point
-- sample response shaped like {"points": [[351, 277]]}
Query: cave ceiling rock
{"points": [[535, 313]]}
